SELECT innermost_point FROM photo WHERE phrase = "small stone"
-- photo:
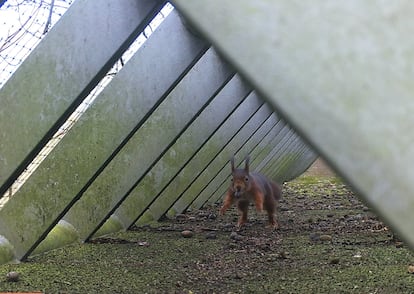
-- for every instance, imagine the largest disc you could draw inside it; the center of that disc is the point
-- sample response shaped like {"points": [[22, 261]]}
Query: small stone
{"points": [[411, 269], [325, 237], [399, 244], [212, 216], [179, 284], [334, 260], [180, 217], [238, 276], [12, 276], [314, 237], [211, 235], [187, 234], [231, 246], [235, 236], [202, 214], [227, 226]]}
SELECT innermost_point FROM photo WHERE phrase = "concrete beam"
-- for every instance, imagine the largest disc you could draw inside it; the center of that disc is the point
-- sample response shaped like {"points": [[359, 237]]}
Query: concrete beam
{"points": [[150, 142], [81, 155], [60, 72]]}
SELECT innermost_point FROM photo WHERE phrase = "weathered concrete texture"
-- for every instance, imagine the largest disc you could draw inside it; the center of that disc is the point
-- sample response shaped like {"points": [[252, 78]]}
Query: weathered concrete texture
{"points": [[288, 160], [341, 73], [111, 225], [284, 146], [186, 176], [7, 253], [162, 128], [170, 166], [62, 234], [137, 88], [293, 163], [71, 59], [66, 171]]}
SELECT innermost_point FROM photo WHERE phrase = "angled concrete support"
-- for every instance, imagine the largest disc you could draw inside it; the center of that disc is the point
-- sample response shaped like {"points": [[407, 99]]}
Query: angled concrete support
{"points": [[60, 72], [152, 140], [71, 167], [170, 168], [175, 189]]}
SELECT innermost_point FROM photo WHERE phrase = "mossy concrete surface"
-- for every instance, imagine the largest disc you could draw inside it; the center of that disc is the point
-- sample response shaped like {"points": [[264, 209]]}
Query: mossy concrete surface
{"points": [[6, 251], [111, 225], [45, 86], [138, 87], [62, 234]]}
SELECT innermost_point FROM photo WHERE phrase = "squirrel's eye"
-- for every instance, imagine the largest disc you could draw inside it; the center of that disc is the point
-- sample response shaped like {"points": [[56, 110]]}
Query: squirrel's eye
{"points": [[246, 179], [231, 179]]}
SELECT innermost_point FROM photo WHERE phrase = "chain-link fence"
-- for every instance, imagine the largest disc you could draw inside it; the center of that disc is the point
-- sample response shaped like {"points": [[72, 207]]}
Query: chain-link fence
{"points": [[22, 25]]}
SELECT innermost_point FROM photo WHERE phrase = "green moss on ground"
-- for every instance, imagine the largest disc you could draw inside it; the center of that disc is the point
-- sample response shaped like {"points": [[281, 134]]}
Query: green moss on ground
{"points": [[357, 256]]}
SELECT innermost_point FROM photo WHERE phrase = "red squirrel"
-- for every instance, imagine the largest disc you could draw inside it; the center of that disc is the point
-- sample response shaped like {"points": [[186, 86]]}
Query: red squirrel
{"points": [[248, 186]]}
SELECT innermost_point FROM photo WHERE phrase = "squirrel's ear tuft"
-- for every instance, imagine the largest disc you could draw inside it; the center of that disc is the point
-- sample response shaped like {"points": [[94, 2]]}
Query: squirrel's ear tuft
{"points": [[246, 167], [232, 163]]}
